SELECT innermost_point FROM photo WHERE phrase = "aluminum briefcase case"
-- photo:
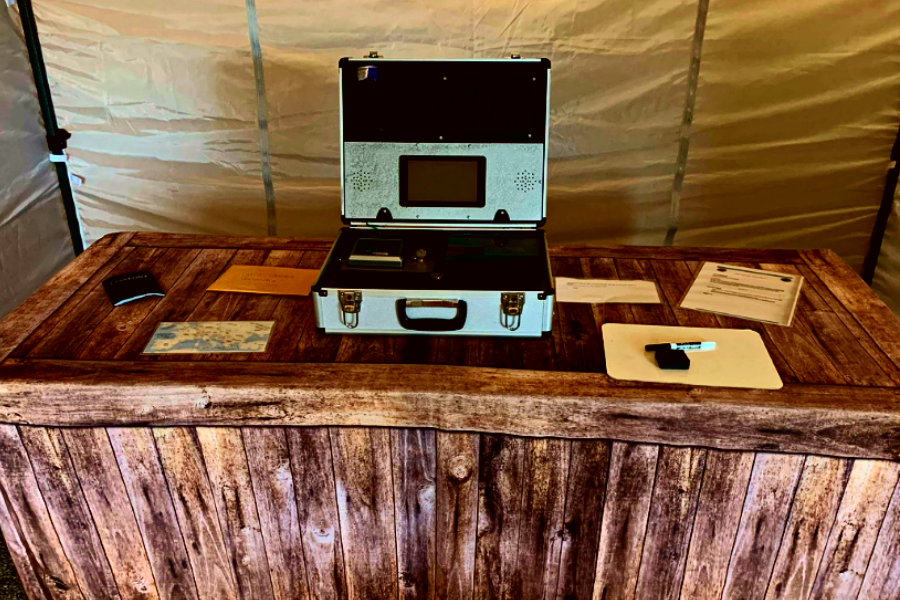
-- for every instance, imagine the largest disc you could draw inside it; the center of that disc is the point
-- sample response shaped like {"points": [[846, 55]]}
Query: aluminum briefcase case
{"points": [[443, 191]]}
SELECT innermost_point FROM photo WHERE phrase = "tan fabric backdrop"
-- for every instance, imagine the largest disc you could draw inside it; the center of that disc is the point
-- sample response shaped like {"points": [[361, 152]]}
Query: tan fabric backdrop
{"points": [[796, 109], [34, 237]]}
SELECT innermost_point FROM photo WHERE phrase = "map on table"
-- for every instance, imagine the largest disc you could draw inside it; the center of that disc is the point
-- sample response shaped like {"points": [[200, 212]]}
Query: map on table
{"points": [[210, 336]]}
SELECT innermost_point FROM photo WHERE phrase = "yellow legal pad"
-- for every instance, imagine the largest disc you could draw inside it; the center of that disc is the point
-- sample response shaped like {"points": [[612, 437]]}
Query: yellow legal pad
{"points": [[254, 279]]}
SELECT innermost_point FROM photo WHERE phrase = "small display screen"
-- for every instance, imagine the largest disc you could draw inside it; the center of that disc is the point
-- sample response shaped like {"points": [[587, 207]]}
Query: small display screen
{"points": [[436, 181]]}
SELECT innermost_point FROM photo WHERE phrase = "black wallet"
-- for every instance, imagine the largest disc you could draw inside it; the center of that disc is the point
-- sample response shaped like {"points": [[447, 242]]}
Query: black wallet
{"points": [[131, 286]]}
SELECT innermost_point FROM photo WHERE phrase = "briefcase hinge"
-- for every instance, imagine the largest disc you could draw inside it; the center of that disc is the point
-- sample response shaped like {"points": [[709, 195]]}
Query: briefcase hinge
{"points": [[511, 304], [350, 302]]}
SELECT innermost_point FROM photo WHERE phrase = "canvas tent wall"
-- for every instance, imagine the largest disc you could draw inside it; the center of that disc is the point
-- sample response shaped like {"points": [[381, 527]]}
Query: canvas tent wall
{"points": [[34, 239], [723, 122]]}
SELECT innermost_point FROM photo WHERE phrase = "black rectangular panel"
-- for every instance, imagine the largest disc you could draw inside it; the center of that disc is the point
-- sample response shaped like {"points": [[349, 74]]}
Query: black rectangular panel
{"points": [[442, 181], [444, 101]]}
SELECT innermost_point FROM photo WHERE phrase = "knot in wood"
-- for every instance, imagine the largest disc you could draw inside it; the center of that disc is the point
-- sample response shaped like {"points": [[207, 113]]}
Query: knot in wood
{"points": [[122, 326], [460, 468]]}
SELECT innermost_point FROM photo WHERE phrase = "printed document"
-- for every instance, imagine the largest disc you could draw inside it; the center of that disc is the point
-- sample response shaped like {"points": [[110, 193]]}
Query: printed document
{"points": [[606, 291], [753, 294]]}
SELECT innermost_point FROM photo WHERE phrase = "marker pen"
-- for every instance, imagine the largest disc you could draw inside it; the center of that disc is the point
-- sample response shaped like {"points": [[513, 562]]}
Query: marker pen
{"points": [[686, 346]]}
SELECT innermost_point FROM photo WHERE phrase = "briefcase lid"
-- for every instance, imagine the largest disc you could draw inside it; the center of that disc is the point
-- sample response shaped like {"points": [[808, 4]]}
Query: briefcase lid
{"points": [[450, 143]]}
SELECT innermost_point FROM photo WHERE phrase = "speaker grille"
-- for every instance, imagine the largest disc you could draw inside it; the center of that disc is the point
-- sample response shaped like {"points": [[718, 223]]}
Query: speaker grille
{"points": [[361, 181], [526, 181]]}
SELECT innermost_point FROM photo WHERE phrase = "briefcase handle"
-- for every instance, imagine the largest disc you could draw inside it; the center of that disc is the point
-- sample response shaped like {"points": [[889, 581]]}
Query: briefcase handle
{"points": [[454, 324]]}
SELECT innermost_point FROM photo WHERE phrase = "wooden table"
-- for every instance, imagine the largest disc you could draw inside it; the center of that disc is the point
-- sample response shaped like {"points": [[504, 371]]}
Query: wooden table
{"points": [[375, 467]]}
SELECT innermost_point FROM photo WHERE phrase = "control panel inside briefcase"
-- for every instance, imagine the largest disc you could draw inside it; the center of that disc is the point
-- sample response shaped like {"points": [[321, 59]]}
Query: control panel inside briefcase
{"points": [[443, 190]]}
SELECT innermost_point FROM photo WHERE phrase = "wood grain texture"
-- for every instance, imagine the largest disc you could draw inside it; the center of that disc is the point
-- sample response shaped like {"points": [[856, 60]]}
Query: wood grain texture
{"points": [[500, 476], [183, 240], [719, 509], [30, 517], [269, 460], [812, 514], [232, 492], [762, 524], [68, 510], [585, 498], [362, 475], [317, 511], [98, 473], [456, 514], [855, 422], [414, 459], [540, 539], [119, 324], [882, 578], [198, 520], [20, 553], [23, 320], [632, 472], [853, 536], [341, 478], [150, 499], [673, 507]]}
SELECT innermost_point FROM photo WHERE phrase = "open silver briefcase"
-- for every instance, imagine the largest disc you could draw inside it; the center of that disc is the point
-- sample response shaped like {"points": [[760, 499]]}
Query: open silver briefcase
{"points": [[443, 184]]}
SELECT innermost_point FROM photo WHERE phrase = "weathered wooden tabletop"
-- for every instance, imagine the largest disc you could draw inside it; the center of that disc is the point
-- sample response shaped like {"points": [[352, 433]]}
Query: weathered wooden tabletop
{"points": [[70, 358]]}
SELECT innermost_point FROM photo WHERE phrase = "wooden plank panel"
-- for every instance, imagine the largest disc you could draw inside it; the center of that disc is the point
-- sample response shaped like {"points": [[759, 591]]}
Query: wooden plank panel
{"points": [[856, 296], [63, 315], [414, 460], [545, 472], [180, 298], [855, 529], [22, 557], [673, 279], [195, 507], [269, 460], [716, 523], [188, 240], [806, 356], [22, 321], [232, 492], [575, 333], [109, 335], [632, 472], [362, 475], [292, 315], [30, 516], [68, 510], [645, 314], [65, 338], [673, 507], [107, 499], [845, 352], [850, 322], [501, 465], [765, 513], [812, 514], [148, 492], [585, 496], [883, 573], [317, 511], [457, 514]]}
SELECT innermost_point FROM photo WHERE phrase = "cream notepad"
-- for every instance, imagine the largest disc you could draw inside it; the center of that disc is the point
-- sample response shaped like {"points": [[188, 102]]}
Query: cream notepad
{"points": [[740, 359], [255, 279]]}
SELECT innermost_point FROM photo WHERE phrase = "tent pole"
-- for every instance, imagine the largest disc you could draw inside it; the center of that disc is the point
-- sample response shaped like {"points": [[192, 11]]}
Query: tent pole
{"points": [[56, 137], [884, 213]]}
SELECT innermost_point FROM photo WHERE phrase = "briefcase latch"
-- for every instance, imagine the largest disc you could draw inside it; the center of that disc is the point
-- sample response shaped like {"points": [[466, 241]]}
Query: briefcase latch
{"points": [[350, 302], [511, 304]]}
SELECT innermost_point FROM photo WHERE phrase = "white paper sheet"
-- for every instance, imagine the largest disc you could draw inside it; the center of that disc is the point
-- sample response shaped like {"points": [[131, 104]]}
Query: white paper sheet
{"points": [[753, 294], [600, 291]]}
